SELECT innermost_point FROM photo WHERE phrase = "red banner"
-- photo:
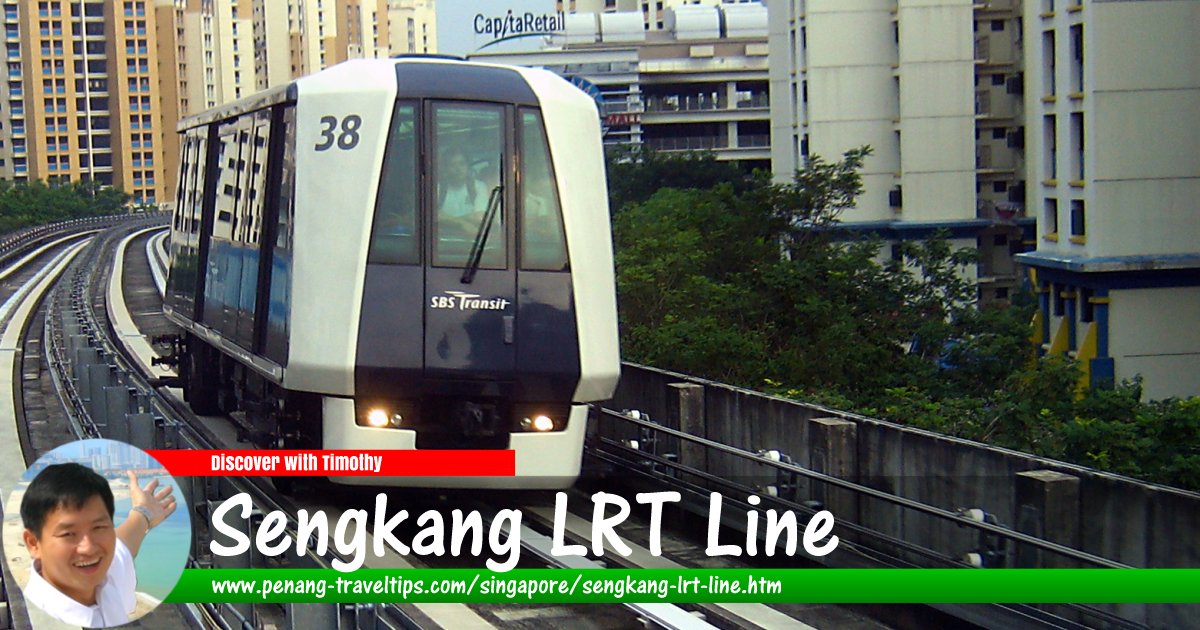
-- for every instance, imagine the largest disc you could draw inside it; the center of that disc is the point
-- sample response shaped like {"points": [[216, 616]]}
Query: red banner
{"points": [[342, 463]]}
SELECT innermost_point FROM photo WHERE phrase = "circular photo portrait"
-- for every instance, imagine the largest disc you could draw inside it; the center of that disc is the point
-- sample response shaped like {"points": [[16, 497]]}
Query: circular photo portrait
{"points": [[95, 535]]}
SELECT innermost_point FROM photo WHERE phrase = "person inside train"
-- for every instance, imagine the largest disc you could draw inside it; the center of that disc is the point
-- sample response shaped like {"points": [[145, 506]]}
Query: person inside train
{"points": [[83, 571], [462, 198]]}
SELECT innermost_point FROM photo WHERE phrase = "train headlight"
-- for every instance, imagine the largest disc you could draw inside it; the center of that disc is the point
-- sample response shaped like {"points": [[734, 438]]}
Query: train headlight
{"points": [[542, 423], [541, 418], [390, 415], [378, 417]]}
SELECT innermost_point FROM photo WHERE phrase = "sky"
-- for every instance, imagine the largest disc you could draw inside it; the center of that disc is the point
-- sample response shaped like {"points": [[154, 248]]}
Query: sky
{"points": [[456, 23]]}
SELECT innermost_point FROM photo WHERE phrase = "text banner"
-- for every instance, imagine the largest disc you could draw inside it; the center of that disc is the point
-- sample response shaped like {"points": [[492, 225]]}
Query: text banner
{"points": [[339, 463], [606, 586]]}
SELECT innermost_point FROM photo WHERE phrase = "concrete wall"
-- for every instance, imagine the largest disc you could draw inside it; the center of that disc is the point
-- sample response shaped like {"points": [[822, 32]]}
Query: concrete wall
{"points": [[1135, 523], [1158, 338]]}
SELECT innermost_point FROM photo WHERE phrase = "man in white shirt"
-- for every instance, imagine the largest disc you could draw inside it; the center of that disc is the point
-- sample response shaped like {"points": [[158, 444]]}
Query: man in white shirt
{"points": [[83, 570]]}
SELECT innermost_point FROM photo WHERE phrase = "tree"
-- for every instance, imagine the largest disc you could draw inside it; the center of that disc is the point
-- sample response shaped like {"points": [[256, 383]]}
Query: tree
{"points": [[747, 282], [35, 203]]}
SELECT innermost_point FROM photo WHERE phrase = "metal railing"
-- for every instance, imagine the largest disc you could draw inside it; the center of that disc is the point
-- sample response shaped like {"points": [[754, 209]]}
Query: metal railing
{"points": [[654, 451]]}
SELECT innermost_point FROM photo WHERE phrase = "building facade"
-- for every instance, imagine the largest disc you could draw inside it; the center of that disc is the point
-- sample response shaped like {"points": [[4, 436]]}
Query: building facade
{"points": [[1114, 163], [94, 88], [412, 27], [933, 87], [82, 99], [691, 86]]}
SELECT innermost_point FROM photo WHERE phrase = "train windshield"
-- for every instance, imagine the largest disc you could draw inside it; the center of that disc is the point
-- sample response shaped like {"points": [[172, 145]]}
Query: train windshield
{"points": [[464, 145], [542, 243], [468, 148], [394, 239]]}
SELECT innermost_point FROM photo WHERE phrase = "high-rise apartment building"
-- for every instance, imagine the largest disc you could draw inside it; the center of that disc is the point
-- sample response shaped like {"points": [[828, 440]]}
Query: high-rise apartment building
{"points": [[94, 88], [412, 27], [82, 96], [933, 87], [1112, 99]]}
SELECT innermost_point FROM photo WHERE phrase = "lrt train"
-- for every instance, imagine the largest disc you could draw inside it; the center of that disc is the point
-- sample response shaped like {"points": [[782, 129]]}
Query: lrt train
{"points": [[411, 253]]}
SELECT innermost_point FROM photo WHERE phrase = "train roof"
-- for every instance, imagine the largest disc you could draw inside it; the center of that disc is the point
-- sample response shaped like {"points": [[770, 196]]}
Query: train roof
{"points": [[445, 85]]}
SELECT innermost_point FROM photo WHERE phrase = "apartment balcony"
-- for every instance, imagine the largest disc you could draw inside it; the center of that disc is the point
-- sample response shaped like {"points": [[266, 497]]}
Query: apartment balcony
{"points": [[687, 143], [685, 103], [754, 141], [708, 143]]}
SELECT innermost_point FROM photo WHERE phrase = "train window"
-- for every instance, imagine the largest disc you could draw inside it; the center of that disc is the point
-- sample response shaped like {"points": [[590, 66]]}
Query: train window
{"points": [[542, 243], [279, 300], [257, 175], [394, 231], [468, 145], [227, 178]]}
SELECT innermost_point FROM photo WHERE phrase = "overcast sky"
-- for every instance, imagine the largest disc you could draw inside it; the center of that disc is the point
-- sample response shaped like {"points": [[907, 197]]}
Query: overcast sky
{"points": [[456, 22]]}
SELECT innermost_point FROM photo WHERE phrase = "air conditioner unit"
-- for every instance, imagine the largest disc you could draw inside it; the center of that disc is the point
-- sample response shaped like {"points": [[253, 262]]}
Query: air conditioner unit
{"points": [[1016, 138], [894, 198], [1015, 84]]}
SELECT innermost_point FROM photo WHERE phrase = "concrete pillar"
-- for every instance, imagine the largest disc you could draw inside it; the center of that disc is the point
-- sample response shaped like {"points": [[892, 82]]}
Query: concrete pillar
{"points": [[1047, 507], [833, 450], [686, 406]]}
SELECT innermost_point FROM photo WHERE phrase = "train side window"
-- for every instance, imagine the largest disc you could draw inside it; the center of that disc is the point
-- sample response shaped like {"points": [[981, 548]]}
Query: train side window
{"points": [[394, 238], [467, 171], [279, 300], [176, 284], [227, 181], [543, 247]]}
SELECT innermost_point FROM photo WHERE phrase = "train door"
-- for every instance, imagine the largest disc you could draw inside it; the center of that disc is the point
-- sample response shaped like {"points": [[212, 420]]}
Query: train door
{"points": [[470, 278], [220, 274]]}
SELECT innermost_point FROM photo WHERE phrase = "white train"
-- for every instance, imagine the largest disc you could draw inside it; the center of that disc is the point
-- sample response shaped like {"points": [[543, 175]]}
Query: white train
{"points": [[411, 253]]}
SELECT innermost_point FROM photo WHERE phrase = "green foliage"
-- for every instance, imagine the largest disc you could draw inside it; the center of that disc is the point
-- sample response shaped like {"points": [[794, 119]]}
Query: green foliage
{"points": [[731, 277], [35, 203], [636, 172]]}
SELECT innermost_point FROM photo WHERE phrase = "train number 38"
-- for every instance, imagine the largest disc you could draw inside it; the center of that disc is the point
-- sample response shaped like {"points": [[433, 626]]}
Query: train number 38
{"points": [[346, 140]]}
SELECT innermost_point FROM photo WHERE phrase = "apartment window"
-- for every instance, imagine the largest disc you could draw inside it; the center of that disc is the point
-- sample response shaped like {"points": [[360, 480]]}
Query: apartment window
{"points": [[1077, 58], [998, 79], [1077, 170], [1048, 65], [998, 133], [1050, 217], [999, 187], [997, 25], [1078, 218], [1050, 142]]}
